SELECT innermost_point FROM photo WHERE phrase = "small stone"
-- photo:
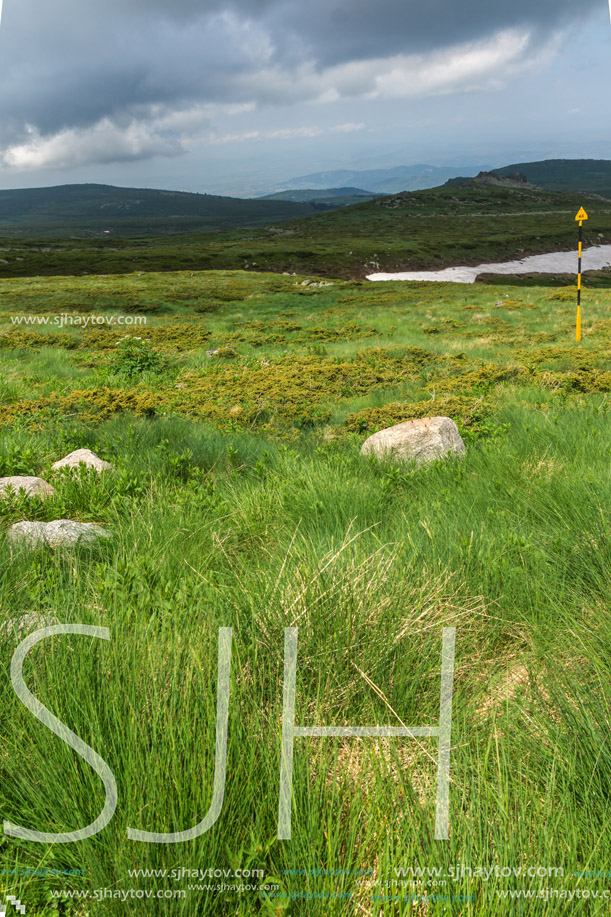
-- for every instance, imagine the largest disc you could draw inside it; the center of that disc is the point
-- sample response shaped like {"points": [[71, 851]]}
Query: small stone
{"points": [[56, 533], [33, 487], [417, 440], [315, 283], [87, 457]]}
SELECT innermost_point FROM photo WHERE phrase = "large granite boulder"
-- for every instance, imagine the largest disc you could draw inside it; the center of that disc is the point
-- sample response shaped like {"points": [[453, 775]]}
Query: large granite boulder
{"points": [[33, 487], [416, 440], [56, 533], [86, 456]]}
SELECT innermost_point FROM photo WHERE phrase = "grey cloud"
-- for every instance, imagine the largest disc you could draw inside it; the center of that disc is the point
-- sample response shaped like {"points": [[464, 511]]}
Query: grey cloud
{"points": [[69, 64], [342, 30], [338, 30], [56, 77]]}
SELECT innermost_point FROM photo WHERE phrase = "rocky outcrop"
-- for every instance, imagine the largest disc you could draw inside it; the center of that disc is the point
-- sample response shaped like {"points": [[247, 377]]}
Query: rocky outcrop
{"points": [[511, 180]]}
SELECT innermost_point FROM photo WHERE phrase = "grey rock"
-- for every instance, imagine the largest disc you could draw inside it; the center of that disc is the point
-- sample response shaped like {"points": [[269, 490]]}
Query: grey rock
{"points": [[86, 456], [33, 487], [64, 531], [417, 440], [56, 533], [31, 534]]}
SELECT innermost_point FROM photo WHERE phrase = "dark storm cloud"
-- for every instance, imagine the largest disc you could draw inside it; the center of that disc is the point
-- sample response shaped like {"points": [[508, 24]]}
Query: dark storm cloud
{"points": [[339, 30], [68, 65], [342, 30], [76, 64]]}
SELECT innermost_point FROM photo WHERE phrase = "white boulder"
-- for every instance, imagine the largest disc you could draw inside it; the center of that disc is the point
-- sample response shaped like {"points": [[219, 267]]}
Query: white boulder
{"points": [[416, 440], [56, 533], [33, 487], [86, 456]]}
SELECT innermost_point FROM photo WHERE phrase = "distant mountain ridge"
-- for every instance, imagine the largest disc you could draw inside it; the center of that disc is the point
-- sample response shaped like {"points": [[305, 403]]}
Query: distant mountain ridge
{"points": [[590, 175], [381, 181]]}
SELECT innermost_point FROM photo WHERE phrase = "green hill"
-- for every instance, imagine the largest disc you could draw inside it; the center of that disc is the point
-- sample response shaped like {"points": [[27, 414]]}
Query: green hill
{"points": [[592, 175], [104, 210]]}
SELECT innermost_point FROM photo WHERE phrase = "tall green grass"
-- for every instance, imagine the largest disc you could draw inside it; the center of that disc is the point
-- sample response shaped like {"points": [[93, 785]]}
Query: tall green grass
{"points": [[510, 545]]}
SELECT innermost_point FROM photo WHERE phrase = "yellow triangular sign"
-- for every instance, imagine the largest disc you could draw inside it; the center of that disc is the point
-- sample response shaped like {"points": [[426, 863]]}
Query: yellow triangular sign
{"points": [[582, 215]]}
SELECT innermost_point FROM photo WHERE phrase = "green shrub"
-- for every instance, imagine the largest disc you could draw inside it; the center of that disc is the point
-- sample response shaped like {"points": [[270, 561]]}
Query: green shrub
{"points": [[134, 356]]}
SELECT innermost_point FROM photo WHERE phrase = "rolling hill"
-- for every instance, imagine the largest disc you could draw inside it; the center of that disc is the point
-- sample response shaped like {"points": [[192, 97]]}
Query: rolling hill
{"points": [[105, 210], [592, 175]]}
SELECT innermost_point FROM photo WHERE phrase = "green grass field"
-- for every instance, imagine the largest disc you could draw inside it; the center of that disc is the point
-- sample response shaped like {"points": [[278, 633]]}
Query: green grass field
{"points": [[240, 499]]}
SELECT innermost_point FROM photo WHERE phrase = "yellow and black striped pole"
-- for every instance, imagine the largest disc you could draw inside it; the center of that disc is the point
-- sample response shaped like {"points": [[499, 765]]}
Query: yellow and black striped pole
{"points": [[581, 216]]}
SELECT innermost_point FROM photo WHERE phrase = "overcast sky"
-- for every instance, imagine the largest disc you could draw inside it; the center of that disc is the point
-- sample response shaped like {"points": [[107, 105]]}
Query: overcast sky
{"points": [[232, 97]]}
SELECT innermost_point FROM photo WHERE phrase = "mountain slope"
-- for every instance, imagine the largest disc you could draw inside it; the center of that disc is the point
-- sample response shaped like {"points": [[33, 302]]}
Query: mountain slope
{"points": [[92, 209], [592, 175]]}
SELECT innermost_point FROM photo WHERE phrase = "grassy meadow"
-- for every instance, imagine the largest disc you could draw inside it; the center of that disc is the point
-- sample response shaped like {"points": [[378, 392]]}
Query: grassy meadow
{"points": [[240, 499]]}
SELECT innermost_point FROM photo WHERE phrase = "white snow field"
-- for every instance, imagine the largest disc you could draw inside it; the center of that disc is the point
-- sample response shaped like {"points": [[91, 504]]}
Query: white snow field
{"points": [[554, 263]]}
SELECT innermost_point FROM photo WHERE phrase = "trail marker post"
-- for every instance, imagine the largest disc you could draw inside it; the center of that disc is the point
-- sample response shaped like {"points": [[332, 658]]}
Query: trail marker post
{"points": [[581, 216]]}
